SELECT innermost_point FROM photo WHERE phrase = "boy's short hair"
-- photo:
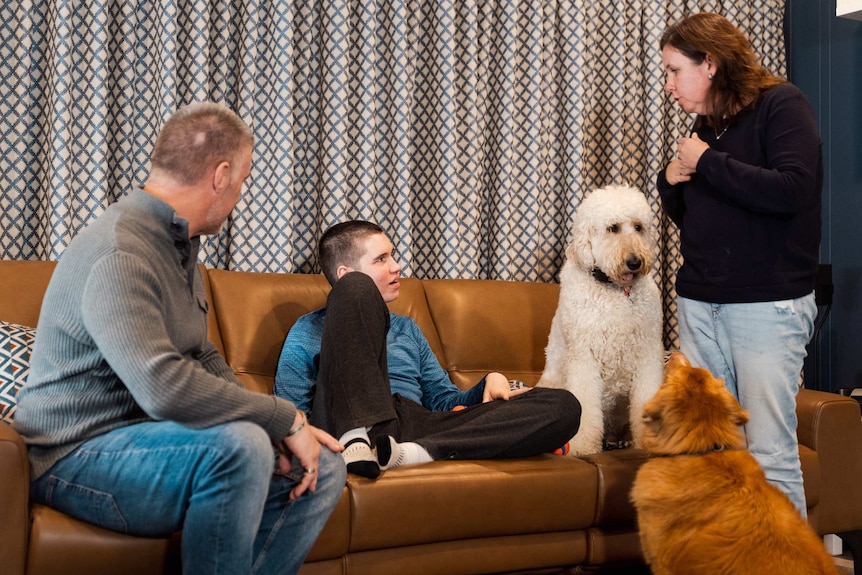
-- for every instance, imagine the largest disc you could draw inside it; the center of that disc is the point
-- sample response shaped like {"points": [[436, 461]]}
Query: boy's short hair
{"points": [[340, 246]]}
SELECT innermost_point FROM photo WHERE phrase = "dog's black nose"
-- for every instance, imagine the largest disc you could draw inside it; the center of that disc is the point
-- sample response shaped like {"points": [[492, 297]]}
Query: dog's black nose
{"points": [[634, 263]]}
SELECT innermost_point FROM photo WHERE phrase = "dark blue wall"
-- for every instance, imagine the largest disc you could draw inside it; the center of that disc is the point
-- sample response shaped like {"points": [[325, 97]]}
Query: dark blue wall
{"points": [[825, 61]]}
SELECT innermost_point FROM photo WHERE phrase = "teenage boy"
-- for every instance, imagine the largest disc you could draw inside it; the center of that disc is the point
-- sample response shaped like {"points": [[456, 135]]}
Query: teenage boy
{"points": [[369, 377]]}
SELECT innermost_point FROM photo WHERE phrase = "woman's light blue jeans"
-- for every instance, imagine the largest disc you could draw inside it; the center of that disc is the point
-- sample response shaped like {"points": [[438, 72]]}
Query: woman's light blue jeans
{"points": [[758, 349], [215, 484]]}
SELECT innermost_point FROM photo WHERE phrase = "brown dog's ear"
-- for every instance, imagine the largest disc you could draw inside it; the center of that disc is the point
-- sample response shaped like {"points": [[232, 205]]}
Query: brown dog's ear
{"points": [[738, 415], [651, 415], [676, 359], [734, 411]]}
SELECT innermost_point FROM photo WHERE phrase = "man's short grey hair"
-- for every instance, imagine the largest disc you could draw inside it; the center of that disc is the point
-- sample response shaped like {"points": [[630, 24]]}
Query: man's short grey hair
{"points": [[197, 138]]}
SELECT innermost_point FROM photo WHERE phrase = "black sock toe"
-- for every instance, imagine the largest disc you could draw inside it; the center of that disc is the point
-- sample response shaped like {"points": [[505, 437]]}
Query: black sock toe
{"points": [[368, 469], [384, 450]]}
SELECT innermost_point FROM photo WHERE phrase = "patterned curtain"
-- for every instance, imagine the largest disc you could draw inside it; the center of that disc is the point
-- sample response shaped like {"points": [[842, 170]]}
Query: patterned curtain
{"points": [[469, 129]]}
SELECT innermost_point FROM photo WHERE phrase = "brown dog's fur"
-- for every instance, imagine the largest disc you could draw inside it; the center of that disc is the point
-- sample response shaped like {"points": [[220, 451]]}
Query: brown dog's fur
{"points": [[703, 503]]}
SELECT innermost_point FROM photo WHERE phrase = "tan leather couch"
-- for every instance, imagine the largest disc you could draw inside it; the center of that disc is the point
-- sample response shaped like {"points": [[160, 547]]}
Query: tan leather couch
{"points": [[539, 514]]}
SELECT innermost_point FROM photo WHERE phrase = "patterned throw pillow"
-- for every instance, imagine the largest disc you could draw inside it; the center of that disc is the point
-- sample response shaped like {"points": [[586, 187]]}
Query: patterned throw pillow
{"points": [[16, 343]]}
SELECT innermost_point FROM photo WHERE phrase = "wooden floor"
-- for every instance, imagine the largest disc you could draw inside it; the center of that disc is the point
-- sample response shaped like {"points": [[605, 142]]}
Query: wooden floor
{"points": [[845, 564]]}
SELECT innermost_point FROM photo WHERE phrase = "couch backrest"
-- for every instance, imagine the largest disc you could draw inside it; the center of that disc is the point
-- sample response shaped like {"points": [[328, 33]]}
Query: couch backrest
{"points": [[22, 287], [490, 325], [473, 326], [23, 284], [412, 301], [254, 311]]}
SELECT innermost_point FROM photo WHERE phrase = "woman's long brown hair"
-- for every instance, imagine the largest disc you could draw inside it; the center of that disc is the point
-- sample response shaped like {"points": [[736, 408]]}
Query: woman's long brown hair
{"points": [[739, 77]]}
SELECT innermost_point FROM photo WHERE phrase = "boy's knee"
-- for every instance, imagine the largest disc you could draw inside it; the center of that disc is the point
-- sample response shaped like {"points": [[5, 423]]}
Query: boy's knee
{"points": [[354, 286], [564, 400], [566, 407]]}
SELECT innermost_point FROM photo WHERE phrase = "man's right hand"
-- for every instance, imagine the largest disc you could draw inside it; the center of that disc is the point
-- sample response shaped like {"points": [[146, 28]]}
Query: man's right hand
{"points": [[305, 446]]}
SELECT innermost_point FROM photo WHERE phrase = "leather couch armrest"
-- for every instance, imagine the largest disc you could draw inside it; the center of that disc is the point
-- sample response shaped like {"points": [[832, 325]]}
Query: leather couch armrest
{"points": [[820, 413], [14, 500], [831, 425]]}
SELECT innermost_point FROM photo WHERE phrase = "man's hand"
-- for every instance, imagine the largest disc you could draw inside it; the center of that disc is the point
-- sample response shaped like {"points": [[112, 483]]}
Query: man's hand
{"points": [[497, 387], [305, 446]]}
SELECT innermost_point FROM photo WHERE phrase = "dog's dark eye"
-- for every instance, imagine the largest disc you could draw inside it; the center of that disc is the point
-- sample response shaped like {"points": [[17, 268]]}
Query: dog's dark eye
{"points": [[614, 228], [638, 228]]}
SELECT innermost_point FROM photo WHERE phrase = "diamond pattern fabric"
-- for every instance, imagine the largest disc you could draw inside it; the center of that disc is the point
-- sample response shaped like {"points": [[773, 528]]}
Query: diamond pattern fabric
{"points": [[16, 343], [468, 129]]}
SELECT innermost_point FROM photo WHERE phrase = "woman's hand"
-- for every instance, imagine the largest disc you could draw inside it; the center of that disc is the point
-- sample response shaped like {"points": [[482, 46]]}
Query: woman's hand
{"points": [[688, 153], [675, 173]]}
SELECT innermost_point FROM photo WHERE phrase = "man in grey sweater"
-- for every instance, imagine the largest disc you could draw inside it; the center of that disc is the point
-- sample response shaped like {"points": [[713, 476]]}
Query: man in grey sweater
{"points": [[133, 420]]}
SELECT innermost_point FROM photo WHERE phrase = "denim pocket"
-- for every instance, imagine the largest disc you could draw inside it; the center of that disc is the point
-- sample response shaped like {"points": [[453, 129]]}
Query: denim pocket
{"points": [[801, 311], [96, 507]]}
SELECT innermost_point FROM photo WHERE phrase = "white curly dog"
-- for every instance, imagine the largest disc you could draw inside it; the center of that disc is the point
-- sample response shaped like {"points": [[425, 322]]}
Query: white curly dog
{"points": [[605, 344]]}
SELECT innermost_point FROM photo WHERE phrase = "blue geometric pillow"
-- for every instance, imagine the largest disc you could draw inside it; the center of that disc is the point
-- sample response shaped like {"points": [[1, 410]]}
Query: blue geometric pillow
{"points": [[16, 343]]}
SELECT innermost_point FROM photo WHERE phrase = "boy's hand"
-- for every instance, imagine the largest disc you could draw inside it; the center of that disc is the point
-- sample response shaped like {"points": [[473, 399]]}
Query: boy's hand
{"points": [[497, 387]]}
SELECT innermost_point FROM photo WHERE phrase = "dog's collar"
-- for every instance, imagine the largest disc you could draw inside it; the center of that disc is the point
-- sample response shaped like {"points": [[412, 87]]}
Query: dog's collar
{"points": [[603, 278], [714, 449]]}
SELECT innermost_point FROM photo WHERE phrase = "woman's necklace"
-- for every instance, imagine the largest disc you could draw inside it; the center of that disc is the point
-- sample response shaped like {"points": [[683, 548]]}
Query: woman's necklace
{"points": [[717, 135]]}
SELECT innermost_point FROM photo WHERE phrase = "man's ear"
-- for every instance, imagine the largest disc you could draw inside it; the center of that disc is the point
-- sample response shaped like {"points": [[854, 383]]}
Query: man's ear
{"points": [[222, 176]]}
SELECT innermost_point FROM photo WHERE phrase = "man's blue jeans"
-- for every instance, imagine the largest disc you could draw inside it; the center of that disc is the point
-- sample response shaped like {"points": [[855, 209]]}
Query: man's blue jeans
{"points": [[215, 484], [758, 349]]}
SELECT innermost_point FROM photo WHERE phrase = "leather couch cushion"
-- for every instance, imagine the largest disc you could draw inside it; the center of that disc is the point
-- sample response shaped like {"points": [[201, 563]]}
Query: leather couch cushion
{"points": [[15, 511], [527, 553], [617, 470], [255, 312], [59, 543], [490, 325], [461, 500], [617, 547], [333, 541]]}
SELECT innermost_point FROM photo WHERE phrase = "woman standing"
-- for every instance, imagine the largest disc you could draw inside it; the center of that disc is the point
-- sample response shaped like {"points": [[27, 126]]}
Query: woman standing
{"points": [[744, 190]]}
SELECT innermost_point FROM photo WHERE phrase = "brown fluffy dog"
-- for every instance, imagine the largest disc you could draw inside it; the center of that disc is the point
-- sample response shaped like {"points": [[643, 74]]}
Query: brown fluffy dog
{"points": [[703, 504]]}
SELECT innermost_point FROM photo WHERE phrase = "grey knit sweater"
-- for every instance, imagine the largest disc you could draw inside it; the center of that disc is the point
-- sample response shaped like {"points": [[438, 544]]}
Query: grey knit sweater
{"points": [[122, 339]]}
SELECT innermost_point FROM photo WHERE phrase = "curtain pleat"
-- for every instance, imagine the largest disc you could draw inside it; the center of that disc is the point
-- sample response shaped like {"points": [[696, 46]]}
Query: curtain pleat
{"points": [[468, 129]]}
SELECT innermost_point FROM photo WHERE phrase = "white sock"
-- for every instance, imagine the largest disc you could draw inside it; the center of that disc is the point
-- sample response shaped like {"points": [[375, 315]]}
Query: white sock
{"points": [[355, 433], [407, 453]]}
